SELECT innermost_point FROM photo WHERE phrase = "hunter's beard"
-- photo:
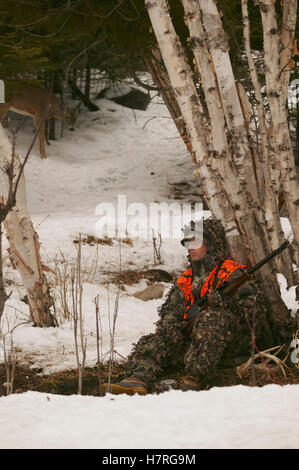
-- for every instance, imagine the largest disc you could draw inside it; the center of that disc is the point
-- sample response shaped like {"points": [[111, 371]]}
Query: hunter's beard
{"points": [[206, 264], [197, 267]]}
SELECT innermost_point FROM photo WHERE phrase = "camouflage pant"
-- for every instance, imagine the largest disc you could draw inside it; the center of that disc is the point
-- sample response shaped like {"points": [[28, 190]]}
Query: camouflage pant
{"points": [[198, 354]]}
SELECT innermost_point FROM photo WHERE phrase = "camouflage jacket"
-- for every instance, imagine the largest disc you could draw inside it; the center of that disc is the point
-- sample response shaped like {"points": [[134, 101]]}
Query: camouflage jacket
{"points": [[238, 307]]}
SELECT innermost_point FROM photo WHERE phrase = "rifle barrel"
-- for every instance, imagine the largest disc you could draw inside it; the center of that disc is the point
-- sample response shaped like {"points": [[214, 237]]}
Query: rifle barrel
{"points": [[251, 270], [267, 258]]}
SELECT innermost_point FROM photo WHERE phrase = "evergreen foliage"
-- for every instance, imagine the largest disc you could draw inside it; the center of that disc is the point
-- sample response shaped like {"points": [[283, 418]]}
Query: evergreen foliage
{"points": [[39, 38]]}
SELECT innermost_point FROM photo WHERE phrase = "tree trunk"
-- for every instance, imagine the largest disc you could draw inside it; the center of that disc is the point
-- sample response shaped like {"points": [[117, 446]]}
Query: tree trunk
{"points": [[78, 94], [52, 129], [232, 178], [279, 131], [24, 245], [87, 82], [156, 68], [3, 296], [270, 165], [288, 44], [297, 134]]}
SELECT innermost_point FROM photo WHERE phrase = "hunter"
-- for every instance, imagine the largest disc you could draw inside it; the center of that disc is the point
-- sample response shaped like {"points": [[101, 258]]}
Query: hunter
{"points": [[220, 333]]}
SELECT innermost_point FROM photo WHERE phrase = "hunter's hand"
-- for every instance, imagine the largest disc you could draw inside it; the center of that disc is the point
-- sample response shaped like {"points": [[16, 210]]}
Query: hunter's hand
{"points": [[192, 311], [187, 327]]}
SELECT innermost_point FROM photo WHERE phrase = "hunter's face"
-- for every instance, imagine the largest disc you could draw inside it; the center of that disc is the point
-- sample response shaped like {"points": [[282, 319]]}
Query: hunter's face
{"points": [[199, 253]]}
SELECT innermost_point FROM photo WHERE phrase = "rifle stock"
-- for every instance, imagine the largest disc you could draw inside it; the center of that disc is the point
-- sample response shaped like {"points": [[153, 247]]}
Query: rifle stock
{"points": [[227, 290], [236, 284]]}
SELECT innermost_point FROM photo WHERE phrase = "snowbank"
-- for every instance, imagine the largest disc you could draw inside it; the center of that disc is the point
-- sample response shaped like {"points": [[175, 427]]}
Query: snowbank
{"points": [[236, 417], [117, 151]]}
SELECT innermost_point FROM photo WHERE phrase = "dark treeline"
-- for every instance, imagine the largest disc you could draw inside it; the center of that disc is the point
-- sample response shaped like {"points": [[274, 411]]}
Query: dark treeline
{"points": [[55, 41]]}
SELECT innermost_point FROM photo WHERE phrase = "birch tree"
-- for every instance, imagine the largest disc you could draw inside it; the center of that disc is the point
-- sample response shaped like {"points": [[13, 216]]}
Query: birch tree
{"points": [[242, 172], [23, 240]]}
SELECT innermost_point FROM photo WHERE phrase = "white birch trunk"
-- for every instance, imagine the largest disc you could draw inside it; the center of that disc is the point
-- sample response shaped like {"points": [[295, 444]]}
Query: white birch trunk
{"points": [[219, 50], [198, 44], [288, 44], [23, 242], [224, 166], [242, 153], [160, 77], [269, 162], [180, 76], [229, 183], [280, 137]]}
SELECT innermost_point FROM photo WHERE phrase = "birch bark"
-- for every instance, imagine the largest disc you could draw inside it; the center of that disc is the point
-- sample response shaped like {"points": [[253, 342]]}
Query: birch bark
{"points": [[279, 134], [155, 65], [269, 161], [288, 44], [23, 243], [224, 165], [197, 127], [229, 182]]}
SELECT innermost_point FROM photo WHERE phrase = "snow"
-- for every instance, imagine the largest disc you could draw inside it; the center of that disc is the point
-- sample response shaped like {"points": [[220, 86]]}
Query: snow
{"points": [[229, 417], [110, 153], [113, 152]]}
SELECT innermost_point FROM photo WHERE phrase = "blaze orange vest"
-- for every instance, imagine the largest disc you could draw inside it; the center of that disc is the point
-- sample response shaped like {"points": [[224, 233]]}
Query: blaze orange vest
{"points": [[185, 280]]}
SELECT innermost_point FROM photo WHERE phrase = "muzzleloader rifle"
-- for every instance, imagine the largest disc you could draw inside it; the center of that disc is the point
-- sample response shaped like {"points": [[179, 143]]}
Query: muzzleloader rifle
{"points": [[228, 288]]}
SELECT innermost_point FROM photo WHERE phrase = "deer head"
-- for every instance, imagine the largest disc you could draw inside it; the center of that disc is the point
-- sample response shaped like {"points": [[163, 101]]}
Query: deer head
{"points": [[71, 115]]}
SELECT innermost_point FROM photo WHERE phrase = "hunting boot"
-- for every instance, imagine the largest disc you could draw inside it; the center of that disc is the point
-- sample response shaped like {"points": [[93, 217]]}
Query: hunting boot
{"points": [[190, 383], [129, 386]]}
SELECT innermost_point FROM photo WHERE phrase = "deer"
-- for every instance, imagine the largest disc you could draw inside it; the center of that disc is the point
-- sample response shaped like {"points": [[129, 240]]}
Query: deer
{"points": [[41, 104]]}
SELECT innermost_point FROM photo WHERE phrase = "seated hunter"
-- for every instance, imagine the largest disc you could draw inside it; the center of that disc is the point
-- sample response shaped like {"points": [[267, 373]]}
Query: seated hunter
{"points": [[220, 333]]}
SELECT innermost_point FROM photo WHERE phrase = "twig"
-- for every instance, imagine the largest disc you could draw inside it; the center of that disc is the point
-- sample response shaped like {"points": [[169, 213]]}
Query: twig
{"points": [[252, 343], [96, 300], [116, 352], [157, 249], [152, 118], [10, 360], [94, 265], [112, 333], [77, 291]]}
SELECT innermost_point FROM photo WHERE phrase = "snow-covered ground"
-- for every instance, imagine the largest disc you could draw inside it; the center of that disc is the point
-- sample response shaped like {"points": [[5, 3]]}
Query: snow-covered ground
{"points": [[229, 417], [113, 152]]}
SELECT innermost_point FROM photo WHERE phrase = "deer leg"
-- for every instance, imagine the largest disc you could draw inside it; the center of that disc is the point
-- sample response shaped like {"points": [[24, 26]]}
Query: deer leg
{"points": [[42, 133], [41, 136], [47, 132]]}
